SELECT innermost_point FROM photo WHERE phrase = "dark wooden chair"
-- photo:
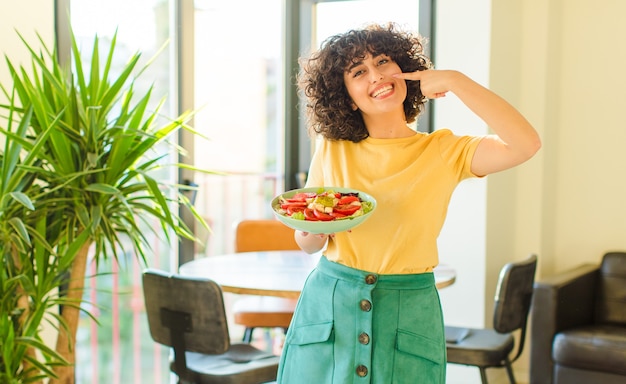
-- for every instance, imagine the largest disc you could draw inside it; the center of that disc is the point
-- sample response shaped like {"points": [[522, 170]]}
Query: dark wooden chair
{"points": [[491, 347], [188, 315]]}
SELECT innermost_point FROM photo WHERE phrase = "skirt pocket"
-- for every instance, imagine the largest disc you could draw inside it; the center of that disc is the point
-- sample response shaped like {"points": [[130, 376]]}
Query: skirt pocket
{"points": [[308, 349], [418, 357]]}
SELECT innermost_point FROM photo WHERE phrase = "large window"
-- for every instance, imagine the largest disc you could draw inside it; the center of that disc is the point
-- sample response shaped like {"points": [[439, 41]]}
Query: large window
{"points": [[238, 87]]}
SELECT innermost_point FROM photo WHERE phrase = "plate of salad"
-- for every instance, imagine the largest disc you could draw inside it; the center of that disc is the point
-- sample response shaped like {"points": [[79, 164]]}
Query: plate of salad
{"points": [[323, 209]]}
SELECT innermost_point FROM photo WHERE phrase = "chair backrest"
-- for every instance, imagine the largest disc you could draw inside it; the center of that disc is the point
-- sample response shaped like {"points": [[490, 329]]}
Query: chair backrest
{"points": [[610, 308], [513, 295], [263, 235], [513, 298], [185, 312]]}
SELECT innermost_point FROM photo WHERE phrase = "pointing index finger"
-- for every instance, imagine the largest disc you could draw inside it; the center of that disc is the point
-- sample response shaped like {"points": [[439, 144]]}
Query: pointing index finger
{"points": [[408, 75]]}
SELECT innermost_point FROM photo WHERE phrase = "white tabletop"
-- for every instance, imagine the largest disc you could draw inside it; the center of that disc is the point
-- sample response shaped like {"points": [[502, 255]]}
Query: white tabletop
{"points": [[270, 273]]}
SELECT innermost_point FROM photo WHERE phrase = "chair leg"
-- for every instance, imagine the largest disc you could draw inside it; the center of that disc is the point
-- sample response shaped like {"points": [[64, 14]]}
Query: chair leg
{"points": [[483, 375], [247, 335], [509, 371]]}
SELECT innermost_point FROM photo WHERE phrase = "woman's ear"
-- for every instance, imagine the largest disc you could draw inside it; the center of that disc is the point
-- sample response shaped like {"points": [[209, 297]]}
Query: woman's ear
{"points": [[354, 107]]}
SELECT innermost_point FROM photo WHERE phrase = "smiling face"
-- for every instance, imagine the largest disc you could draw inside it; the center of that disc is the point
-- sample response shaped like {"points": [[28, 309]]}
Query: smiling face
{"points": [[342, 98], [372, 88]]}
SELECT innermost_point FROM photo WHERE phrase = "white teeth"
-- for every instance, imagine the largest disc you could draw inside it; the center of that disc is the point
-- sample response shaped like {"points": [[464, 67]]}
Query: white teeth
{"points": [[382, 90]]}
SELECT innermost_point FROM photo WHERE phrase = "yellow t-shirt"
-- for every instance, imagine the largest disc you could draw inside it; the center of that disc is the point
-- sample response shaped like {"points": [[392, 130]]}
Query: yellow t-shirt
{"points": [[412, 180]]}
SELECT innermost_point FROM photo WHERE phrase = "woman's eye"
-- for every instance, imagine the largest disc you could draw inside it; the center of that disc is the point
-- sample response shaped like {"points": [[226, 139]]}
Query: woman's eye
{"points": [[383, 61], [358, 73]]}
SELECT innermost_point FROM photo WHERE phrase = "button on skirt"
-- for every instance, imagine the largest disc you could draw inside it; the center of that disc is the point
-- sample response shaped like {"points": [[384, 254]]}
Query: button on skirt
{"points": [[352, 326]]}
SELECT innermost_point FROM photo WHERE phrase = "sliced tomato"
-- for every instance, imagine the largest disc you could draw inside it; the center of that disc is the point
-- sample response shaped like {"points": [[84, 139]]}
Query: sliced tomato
{"points": [[347, 210], [309, 215], [293, 209], [286, 206], [337, 215], [322, 216], [302, 196], [347, 200]]}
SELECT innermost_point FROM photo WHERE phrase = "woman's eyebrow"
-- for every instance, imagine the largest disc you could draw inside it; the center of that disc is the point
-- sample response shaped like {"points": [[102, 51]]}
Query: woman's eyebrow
{"points": [[360, 62], [354, 65]]}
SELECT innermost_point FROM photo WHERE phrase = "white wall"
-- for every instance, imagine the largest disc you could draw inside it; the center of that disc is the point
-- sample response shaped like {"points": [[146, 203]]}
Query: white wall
{"points": [[587, 132], [28, 17], [560, 63], [569, 82], [462, 241], [463, 43]]}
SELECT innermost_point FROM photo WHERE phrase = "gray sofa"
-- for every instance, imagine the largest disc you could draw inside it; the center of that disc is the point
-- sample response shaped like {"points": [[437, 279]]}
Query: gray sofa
{"points": [[578, 325]]}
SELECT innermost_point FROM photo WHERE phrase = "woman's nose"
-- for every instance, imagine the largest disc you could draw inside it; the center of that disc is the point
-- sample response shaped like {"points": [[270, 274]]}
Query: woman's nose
{"points": [[375, 75]]}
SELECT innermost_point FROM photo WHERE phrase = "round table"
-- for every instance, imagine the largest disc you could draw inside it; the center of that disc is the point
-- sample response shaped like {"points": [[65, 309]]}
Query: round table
{"points": [[271, 273]]}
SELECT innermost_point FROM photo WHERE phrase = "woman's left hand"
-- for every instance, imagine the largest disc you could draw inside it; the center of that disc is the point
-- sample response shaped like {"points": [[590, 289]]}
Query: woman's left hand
{"points": [[433, 83]]}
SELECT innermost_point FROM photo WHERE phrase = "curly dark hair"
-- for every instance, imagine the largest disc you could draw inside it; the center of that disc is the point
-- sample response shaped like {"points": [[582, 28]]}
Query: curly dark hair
{"points": [[329, 107]]}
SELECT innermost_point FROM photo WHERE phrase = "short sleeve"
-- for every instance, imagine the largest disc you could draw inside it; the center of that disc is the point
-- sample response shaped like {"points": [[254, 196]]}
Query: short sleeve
{"points": [[458, 151]]}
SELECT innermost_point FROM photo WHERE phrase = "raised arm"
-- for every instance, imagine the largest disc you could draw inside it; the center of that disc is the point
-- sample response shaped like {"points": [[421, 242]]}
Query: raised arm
{"points": [[514, 141]]}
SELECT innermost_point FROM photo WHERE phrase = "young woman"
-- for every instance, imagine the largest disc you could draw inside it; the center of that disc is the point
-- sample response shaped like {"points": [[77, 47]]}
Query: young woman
{"points": [[370, 311]]}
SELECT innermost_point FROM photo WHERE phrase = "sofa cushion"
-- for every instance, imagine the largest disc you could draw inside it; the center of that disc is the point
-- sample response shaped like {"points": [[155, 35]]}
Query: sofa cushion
{"points": [[595, 347]]}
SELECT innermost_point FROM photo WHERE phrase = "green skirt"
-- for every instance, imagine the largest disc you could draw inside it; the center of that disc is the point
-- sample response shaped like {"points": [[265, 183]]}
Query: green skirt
{"points": [[352, 326]]}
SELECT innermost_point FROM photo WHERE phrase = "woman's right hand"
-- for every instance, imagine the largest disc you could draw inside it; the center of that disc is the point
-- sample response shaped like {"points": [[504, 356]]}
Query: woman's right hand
{"points": [[312, 243]]}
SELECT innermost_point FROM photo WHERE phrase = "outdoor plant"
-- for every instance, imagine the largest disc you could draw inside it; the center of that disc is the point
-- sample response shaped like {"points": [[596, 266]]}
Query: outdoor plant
{"points": [[79, 180]]}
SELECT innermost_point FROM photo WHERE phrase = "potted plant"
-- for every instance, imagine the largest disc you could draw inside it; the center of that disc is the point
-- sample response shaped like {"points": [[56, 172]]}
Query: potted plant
{"points": [[86, 154], [27, 276]]}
